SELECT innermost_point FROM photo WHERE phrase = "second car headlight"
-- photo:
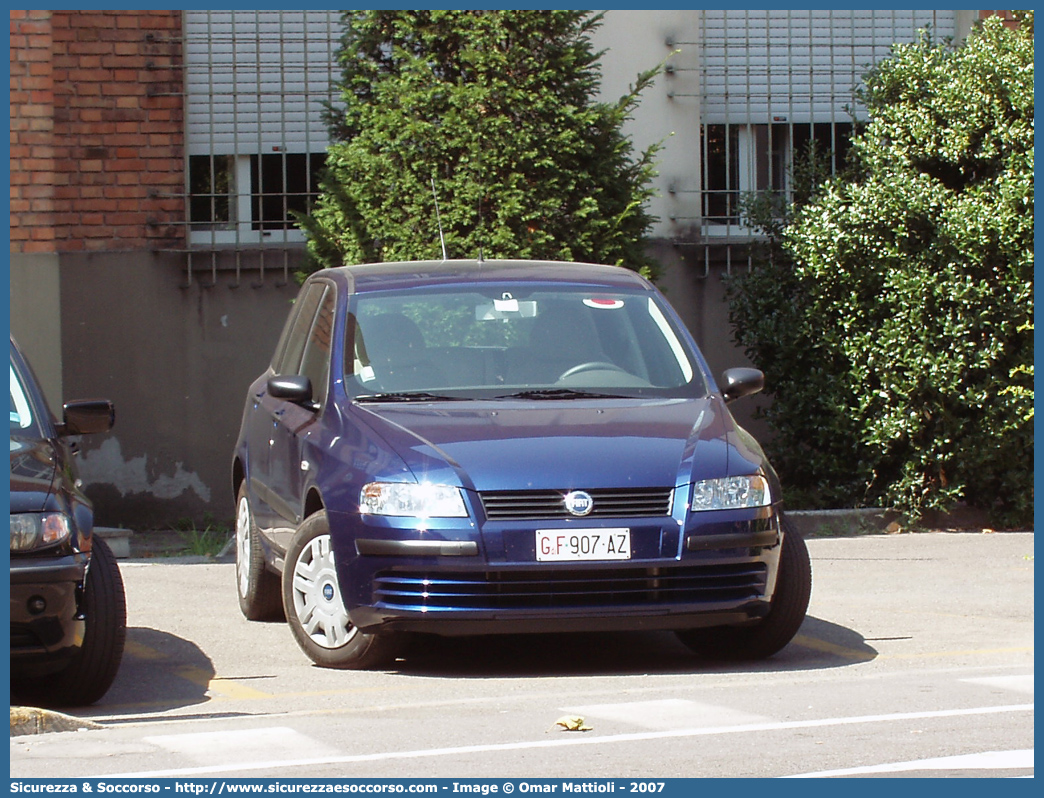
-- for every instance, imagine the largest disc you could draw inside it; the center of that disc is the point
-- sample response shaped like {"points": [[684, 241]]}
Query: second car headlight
{"points": [[35, 530], [412, 500], [731, 493]]}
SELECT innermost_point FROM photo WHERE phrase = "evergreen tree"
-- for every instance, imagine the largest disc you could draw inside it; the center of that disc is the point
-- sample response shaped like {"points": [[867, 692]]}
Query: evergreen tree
{"points": [[497, 108]]}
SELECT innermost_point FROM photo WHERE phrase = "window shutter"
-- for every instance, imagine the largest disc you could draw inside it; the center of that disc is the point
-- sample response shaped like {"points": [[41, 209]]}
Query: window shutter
{"points": [[256, 81], [798, 66]]}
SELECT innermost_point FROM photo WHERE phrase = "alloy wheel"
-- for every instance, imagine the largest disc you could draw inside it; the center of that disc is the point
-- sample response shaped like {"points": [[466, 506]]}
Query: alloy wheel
{"points": [[243, 524], [317, 597]]}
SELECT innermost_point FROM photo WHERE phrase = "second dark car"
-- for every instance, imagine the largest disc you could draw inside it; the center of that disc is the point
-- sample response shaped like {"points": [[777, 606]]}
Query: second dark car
{"points": [[472, 447], [68, 611]]}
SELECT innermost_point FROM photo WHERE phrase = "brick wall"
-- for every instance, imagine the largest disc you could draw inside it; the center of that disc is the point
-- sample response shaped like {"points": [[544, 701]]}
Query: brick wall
{"points": [[97, 131], [1007, 16], [32, 123]]}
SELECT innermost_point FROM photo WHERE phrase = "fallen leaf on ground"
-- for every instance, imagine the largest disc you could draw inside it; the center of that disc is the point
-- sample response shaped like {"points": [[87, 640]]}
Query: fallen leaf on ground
{"points": [[571, 723]]}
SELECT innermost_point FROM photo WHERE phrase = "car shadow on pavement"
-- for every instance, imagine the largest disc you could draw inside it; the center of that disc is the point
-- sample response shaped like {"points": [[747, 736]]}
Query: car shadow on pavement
{"points": [[818, 644], [159, 671]]}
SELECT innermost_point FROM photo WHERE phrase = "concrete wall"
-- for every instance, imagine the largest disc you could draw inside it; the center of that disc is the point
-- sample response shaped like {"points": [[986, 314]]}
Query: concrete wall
{"points": [[36, 320], [176, 359], [669, 111]]}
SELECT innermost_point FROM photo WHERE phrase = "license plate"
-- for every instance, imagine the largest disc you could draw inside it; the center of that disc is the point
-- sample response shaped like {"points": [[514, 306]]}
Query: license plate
{"points": [[564, 545]]}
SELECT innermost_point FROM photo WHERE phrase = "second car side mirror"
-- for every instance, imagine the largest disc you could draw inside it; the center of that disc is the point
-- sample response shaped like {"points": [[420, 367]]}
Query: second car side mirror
{"points": [[87, 416]]}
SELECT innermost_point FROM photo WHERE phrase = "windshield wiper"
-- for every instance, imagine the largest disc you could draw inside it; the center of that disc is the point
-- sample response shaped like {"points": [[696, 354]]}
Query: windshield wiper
{"points": [[408, 396], [560, 393]]}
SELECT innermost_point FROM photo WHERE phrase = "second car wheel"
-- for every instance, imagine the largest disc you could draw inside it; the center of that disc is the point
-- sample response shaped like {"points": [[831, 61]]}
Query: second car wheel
{"points": [[258, 588], [315, 611], [88, 677]]}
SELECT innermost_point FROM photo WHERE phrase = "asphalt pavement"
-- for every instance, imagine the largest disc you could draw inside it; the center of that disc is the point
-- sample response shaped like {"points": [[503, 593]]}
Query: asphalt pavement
{"points": [[916, 659]]}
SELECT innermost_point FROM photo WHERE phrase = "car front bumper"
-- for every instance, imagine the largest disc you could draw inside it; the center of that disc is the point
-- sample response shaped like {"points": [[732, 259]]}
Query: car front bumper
{"points": [[47, 625], [453, 582]]}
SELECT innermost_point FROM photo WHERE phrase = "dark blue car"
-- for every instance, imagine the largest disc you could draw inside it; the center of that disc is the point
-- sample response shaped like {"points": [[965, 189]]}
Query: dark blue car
{"points": [[68, 610], [471, 447]]}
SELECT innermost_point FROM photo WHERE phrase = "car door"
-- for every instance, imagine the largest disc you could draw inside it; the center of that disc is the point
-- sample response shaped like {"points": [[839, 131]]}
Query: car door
{"points": [[297, 427], [265, 411]]}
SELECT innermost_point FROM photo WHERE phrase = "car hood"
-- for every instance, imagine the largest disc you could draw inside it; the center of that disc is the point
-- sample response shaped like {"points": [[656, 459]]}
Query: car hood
{"points": [[34, 474], [527, 445]]}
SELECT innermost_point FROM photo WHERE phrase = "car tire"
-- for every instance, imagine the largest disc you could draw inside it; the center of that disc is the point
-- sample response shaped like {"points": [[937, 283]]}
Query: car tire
{"points": [[778, 627], [258, 588], [93, 669], [315, 611]]}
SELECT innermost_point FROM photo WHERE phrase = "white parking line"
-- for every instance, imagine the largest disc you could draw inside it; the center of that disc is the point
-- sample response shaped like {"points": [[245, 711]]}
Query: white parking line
{"points": [[990, 760], [224, 748], [670, 713], [1020, 684], [562, 742]]}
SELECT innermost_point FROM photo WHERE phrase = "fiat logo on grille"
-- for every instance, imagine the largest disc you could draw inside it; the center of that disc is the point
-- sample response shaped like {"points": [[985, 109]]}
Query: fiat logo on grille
{"points": [[578, 502]]}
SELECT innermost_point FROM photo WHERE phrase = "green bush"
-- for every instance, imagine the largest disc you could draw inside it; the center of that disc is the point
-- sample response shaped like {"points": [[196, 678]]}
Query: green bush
{"points": [[497, 107], [894, 319]]}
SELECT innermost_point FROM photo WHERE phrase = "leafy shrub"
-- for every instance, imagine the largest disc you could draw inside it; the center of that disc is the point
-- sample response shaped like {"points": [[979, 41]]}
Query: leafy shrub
{"points": [[894, 318]]}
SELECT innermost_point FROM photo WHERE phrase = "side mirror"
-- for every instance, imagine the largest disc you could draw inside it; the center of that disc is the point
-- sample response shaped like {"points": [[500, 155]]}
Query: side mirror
{"points": [[86, 417], [294, 388], [740, 382]]}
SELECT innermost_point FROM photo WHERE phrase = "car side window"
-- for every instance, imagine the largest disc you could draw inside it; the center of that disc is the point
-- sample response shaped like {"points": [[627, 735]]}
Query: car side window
{"points": [[297, 332], [316, 361], [291, 320], [21, 412]]}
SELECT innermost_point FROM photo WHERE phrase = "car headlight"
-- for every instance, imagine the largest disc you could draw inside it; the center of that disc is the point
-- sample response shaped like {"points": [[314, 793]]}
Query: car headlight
{"points": [[731, 493], [35, 530], [413, 500]]}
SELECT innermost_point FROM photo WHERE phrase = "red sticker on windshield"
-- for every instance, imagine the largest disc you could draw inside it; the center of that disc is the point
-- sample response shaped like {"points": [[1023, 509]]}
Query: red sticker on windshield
{"points": [[604, 303]]}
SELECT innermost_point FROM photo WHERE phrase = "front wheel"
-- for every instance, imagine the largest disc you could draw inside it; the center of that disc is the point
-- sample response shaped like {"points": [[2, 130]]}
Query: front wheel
{"points": [[93, 669], [775, 630], [315, 611]]}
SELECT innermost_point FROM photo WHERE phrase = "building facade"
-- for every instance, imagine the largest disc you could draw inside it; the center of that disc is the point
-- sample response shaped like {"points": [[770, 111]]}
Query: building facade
{"points": [[156, 157]]}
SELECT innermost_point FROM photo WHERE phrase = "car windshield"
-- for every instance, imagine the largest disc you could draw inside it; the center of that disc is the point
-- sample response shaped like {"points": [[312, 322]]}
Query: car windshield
{"points": [[21, 412], [515, 341]]}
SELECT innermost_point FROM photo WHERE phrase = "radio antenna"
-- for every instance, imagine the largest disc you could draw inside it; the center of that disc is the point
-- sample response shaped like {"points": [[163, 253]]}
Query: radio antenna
{"points": [[438, 217], [482, 185], [481, 230]]}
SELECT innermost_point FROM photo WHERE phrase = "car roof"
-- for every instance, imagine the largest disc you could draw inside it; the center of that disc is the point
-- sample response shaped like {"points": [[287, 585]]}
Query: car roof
{"points": [[414, 274]]}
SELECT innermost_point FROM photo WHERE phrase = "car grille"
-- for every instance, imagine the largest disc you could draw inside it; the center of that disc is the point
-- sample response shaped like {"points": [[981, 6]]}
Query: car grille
{"points": [[566, 589], [519, 505]]}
